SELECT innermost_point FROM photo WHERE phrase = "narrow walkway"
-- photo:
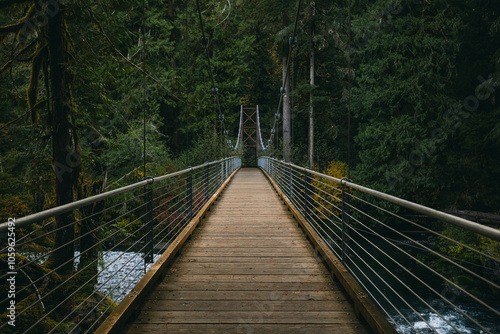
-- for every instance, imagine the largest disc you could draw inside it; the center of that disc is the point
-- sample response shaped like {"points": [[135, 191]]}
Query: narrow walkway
{"points": [[247, 269]]}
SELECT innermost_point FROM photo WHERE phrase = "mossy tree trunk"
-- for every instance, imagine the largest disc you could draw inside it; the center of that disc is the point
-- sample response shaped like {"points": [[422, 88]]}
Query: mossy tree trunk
{"points": [[65, 148]]}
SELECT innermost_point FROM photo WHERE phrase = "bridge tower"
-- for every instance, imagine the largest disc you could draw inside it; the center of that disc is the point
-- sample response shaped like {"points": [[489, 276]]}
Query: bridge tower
{"points": [[250, 135]]}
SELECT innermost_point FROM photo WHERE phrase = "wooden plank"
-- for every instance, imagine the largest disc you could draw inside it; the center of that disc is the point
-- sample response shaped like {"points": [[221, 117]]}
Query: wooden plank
{"points": [[179, 285], [118, 317], [363, 305], [248, 328], [237, 266], [243, 243], [247, 252], [250, 278], [246, 271], [262, 317], [239, 259], [247, 268], [241, 305], [247, 295]]}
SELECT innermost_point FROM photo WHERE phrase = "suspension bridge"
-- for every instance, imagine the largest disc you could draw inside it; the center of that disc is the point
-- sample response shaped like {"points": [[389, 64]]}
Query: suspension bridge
{"points": [[226, 248], [223, 248]]}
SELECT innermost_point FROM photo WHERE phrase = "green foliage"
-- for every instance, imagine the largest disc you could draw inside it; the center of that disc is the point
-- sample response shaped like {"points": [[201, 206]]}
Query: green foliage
{"points": [[413, 64], [404, 73], [328, 194]]}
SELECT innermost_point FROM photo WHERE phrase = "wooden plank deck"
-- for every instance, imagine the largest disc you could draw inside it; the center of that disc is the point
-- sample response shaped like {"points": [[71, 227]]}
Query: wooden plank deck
{"points": [[247, 269]]}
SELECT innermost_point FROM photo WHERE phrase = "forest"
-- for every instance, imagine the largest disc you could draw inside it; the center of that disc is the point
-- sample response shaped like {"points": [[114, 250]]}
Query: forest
{"points": [[403, 93], [397, 95]]}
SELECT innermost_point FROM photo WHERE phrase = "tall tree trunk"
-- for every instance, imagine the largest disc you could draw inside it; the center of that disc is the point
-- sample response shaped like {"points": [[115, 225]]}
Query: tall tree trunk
{"points": [[310, 151], [287, 120], [287, 123], [66, 158], [171, 8]]}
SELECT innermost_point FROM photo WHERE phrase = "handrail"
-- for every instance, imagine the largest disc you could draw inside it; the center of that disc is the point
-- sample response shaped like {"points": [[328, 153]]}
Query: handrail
{"points": [[27, 220], [95, 257], [461, 222], [422, 273]]}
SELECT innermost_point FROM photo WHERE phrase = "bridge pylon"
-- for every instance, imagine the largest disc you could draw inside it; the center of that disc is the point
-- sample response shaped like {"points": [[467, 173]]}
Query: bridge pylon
{"points": [[249, 135]]}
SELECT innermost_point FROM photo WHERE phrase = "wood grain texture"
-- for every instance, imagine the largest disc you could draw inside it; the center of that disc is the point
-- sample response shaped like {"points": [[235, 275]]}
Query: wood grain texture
{"points": [[248, 268]]}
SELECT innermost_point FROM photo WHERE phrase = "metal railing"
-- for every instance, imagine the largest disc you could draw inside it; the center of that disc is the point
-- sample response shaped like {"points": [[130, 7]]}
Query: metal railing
{"points": [[71, 284], [427, 270]]}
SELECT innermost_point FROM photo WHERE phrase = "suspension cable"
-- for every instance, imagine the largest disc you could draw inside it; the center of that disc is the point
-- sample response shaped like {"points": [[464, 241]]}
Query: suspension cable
{"points": [[282, 90], [349, 95], [215, 91], [144, 84]]}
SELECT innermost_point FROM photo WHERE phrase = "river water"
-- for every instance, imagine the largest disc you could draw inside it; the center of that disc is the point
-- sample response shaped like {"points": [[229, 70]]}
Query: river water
{"points": [[119, 272], [398, 291]]}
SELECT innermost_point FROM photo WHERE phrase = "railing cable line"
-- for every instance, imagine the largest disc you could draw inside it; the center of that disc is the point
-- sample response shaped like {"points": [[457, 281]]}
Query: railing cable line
{"points": [[420, 248], [426, 229], [424, 283], [461, 222], [370, 256], [70, 260], [121, 228], [382, 307], [429, 250], [62, 284], [422, 264], [397, 279], [87, 282]]}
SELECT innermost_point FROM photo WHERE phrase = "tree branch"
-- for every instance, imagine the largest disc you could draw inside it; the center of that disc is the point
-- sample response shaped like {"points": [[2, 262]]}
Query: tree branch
{"points": [[9, 63], [14, 120], [11, 28], [20, 24]]}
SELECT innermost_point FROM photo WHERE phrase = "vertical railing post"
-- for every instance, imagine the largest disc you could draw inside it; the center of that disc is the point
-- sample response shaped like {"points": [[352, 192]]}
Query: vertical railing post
{"points": [[189, 202], [220, 177], [221, 172], [207, 174], [345, 226], [280, 176], [148, 230], [307, 196], [291, 181], [273, 171]]}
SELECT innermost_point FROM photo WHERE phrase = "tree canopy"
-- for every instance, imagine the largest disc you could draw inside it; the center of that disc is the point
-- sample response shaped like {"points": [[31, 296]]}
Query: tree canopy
{"points": [[81, 80]]}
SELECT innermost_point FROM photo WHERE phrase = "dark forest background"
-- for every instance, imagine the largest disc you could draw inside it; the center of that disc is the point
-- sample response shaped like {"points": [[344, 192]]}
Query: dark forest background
{"points": [[425, 123]]}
